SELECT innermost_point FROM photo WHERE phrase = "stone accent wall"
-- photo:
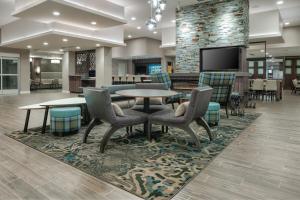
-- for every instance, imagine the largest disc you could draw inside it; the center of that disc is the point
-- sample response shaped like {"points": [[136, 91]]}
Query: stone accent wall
{"points": [[213, 23]]}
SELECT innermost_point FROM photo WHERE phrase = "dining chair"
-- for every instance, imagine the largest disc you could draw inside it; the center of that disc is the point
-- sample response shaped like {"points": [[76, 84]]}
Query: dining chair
{"points": [[101, 111], [137, 79], [258, 88], [271, 89], [196, 110], [295, 86]]}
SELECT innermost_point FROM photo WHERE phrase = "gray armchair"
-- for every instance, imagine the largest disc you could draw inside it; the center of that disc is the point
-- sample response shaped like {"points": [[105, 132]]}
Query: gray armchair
{"points": [[100, 110], [197, 108]]}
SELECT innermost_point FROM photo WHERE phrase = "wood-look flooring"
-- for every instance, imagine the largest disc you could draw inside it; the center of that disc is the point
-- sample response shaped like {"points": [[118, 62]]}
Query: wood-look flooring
{"points": [[263, 163]]}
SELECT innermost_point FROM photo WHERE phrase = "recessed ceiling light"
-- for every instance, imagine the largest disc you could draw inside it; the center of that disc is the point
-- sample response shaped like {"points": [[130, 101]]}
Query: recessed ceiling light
{"points": [[61, 50], [29, 46], [267, 53], [65, 40], [129, 36], [133, 18], [287, 23], [262, 50], [78, 48], [45, 43], [279, 2], [93, 23], [98, 45], [55, 13], [139, 27], [173, 21], [155, 32]]}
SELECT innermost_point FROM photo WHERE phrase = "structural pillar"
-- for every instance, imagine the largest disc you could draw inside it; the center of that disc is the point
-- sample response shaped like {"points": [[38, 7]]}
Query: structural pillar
{"points": [[24, 72], [103, 66], [68, 68]]}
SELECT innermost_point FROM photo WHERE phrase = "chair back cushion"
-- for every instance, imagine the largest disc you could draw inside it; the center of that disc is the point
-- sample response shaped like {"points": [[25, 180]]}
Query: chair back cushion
{"points": [[271, 85], [153, 86], [199, 103], [258, 85], [221, 82], [162, 77], [99, 105]]}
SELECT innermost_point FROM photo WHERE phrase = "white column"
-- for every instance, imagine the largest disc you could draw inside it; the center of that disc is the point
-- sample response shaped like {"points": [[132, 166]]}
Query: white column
{"points": [[68, 68], [103, 66], [24, 72]]}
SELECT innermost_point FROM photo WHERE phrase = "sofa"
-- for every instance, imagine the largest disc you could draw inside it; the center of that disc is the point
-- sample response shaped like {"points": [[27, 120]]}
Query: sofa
{"points": [[112, 91]]}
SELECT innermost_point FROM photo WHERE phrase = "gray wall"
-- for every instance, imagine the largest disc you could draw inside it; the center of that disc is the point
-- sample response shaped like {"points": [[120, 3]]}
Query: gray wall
{"points": [[214, 23]]}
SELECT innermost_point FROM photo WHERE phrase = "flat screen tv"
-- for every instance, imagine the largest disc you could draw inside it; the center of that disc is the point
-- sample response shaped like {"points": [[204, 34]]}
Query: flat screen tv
{"points": [[220, 59]]}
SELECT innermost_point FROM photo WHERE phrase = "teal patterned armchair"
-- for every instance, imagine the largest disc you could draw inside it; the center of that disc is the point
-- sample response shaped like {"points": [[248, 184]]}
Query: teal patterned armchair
{"points": [[222, 84], [164, 77]]}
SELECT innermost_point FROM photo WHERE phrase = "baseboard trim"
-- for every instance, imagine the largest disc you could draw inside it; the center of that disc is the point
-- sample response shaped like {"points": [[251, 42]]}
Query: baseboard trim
{"points": [[25, 92], [66, 91]]}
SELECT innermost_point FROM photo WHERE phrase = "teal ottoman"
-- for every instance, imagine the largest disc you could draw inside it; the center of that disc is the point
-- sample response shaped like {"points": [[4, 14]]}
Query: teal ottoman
{"points": [[65, 120], [212, 115]]}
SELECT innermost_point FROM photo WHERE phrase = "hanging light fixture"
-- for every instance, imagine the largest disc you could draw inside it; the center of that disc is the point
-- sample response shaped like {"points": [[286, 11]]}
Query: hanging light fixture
{"points": [[158, 14], [163, 4], [158, 6], [155, 3], [151, 24]]}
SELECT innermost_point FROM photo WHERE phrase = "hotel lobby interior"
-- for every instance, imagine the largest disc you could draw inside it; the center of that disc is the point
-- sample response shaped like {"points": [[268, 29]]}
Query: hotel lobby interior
{"points": [[150, 99]]}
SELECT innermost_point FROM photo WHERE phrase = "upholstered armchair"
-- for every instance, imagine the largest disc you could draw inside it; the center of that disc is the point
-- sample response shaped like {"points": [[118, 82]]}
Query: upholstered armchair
{"points": [[164, 78], [196, 110], [222, 84], [100, 110]]}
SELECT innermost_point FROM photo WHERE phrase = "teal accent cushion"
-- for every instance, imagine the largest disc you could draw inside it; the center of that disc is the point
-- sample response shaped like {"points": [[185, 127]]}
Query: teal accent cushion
{"points": [[65, 112], [214, 106]]}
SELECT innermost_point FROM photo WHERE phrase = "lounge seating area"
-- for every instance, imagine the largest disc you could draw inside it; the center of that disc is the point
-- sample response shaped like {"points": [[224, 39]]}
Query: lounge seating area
{"points": [[149, 100]]}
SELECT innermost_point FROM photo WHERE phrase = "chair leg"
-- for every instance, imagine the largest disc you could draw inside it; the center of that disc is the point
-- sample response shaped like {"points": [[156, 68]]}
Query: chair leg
{"points": [[202, 122], [226, 109], [173, 106], [106, 138], [91, 125], [191, 132], [149, 127]]}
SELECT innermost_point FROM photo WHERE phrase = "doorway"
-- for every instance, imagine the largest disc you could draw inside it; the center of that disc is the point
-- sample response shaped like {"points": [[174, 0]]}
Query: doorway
{"points": [[9, 75]]}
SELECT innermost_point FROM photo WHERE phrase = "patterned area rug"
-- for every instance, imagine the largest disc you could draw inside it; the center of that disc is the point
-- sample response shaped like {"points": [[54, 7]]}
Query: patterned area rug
{"points": [[151, 170]]}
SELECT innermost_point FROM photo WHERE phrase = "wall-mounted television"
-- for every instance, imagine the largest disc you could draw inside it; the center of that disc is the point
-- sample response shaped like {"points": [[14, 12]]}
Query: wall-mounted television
{"points": [[220, 59]]}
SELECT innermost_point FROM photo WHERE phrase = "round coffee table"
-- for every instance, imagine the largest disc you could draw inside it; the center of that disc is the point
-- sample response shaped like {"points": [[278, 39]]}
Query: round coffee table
{"points": [[146, 94]]}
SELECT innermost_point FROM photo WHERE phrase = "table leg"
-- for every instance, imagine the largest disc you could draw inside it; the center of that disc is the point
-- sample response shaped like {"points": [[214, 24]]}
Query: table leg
{"points": [[27, 121], [146, 110], [45, 120], [147, 105]]}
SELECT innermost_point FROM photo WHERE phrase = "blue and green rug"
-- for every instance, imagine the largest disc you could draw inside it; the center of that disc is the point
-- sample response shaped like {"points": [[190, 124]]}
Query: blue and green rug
{"points": [[150, 170]]}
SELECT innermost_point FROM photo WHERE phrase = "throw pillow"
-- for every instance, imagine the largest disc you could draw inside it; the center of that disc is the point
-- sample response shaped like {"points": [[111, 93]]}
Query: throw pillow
{"points": [[182, 108], [118, 111]]}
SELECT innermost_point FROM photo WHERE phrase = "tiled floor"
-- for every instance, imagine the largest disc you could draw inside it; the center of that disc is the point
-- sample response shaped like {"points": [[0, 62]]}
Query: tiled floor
{"points": [[262, 163]]}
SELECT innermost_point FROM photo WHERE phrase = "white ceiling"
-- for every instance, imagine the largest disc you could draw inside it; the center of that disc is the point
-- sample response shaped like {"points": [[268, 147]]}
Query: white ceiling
{"points": [[140, 9], [289, 10]]}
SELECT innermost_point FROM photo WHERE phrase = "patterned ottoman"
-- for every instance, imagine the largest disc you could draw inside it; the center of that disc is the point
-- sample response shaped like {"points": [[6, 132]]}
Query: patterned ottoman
{"points": [[212, 115], [65, 120]]}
